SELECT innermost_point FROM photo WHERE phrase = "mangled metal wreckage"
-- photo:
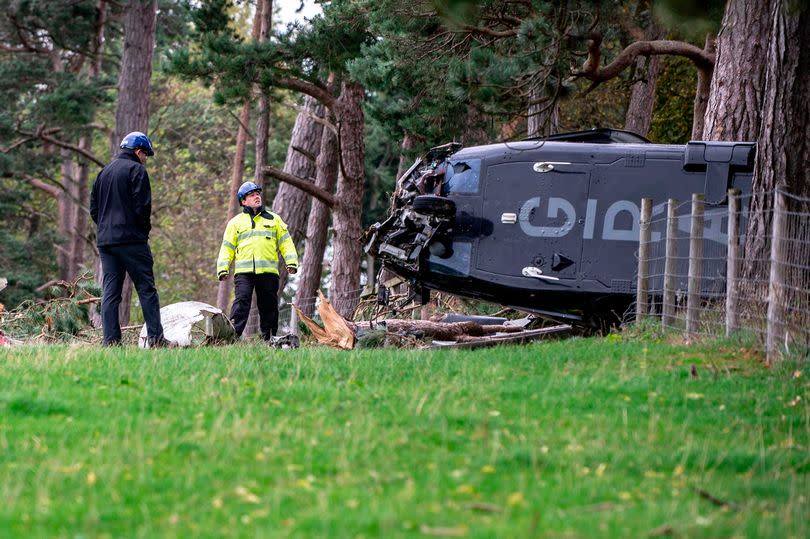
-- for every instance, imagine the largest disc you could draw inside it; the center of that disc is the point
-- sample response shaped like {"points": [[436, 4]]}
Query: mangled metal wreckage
{"points": [[549, 226]]}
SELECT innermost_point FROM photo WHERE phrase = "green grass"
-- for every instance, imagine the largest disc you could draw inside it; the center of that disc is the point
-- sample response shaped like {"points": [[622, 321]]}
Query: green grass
{"points": [[577, 438]]}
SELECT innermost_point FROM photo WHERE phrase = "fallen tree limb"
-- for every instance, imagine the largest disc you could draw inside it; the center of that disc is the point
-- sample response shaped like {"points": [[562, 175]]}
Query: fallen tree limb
{"points": [[444, 330], [437, 330], [472, 341]]}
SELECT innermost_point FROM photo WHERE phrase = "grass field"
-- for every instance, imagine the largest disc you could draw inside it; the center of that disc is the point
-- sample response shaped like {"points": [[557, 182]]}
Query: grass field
{"points": [[579, 438]]}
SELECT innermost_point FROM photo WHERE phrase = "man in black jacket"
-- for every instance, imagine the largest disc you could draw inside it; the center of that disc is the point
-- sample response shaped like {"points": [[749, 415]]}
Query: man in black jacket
{"points": [[121, 206]]}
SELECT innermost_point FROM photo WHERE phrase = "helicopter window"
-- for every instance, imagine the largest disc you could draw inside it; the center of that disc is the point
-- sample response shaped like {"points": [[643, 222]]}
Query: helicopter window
{"points": [[458, 264], [462, 176]]}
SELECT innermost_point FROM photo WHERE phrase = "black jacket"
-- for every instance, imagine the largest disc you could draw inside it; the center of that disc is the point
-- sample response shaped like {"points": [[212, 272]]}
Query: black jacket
{"points": [[121, 201]]}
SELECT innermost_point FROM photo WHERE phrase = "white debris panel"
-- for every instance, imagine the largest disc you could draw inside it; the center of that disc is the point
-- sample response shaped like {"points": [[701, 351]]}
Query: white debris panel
{"points": [[192, 323]]}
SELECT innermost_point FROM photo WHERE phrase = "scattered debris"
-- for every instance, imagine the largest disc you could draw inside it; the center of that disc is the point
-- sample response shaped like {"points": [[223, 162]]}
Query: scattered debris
{"points": [[62, 315], [5, 341], [285, 342], [192, 323], [456, 330]]}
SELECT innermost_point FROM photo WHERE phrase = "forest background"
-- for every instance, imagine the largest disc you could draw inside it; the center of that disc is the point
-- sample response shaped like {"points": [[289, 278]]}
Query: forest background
{"points": [[326, 112]]}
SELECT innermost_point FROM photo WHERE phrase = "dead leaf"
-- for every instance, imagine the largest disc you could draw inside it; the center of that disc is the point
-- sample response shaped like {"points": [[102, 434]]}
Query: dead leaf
{"points": [[458, 531]]}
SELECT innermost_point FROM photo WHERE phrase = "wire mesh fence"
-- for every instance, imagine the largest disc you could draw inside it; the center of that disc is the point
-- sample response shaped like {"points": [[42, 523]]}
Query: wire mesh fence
{"points": [[736, 266]]}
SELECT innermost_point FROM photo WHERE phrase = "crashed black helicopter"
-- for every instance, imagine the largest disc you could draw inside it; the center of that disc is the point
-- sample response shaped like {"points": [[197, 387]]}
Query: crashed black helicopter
{"points": [[548, 226]]}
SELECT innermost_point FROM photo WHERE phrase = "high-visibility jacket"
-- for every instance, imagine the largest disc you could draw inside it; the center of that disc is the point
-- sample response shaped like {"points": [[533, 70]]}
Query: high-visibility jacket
{"points": [[252, 242]]}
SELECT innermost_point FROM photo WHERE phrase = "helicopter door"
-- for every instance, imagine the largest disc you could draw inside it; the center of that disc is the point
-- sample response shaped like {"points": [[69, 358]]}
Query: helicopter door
{"points": [[535, 211]]}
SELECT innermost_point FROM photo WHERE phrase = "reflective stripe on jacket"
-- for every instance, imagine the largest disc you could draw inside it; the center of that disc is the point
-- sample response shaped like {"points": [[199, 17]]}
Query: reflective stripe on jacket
{"points": [[251, 244]]}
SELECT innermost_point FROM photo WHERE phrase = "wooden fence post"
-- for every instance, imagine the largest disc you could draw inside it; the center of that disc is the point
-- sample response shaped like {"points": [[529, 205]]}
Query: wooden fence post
{"points": [[776, 284], [642, 286], [670, 265], [695, 266], [733, 261], [293, 321]]}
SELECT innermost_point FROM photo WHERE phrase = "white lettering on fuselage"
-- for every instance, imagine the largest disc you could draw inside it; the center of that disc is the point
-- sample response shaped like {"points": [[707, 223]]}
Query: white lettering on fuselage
{"points": [[560, 207]]}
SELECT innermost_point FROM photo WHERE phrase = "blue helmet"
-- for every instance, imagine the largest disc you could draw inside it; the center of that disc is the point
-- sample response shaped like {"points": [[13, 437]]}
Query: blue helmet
{"points": [[137, 140], [245, 189]]}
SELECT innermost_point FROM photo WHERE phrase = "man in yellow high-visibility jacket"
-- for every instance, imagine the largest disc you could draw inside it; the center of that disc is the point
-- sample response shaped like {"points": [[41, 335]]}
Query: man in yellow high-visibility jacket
{"points": [[251, 244]]}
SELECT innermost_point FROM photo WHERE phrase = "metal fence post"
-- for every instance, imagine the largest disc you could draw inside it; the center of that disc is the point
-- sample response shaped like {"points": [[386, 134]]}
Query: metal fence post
{"points": [[695, 266], [733, 261], [776, 283], [642, 286], [670, 263]]}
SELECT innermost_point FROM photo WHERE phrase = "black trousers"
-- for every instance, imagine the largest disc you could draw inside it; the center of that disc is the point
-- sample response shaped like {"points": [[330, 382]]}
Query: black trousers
{"points": [[266, 286], [136, 260]]}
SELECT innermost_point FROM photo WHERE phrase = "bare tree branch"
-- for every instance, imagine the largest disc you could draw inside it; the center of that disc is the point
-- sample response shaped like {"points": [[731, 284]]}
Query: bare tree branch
{"points": [[304, 185], [43, 134], [9, 48], [702, 59], [299, 85], [17, 144], [51, 190], [489, 31]]}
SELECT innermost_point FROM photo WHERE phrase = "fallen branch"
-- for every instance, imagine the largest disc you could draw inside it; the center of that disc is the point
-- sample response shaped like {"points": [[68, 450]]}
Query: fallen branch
{"points": [[471, 341], [437, 330]]}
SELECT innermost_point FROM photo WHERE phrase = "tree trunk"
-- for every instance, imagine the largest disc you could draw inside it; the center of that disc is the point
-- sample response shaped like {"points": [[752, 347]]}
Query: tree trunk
{"points": [[642, 98], [262, 135], [291, 203], [783, 145], [85, 143], [735, 97], [405, 161], [80, 211], [238, 168], [237, 172], [344, 292], [132, 109], [543, 114], [318, 225], [66, 213], [704, 82], [475, 132]]}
